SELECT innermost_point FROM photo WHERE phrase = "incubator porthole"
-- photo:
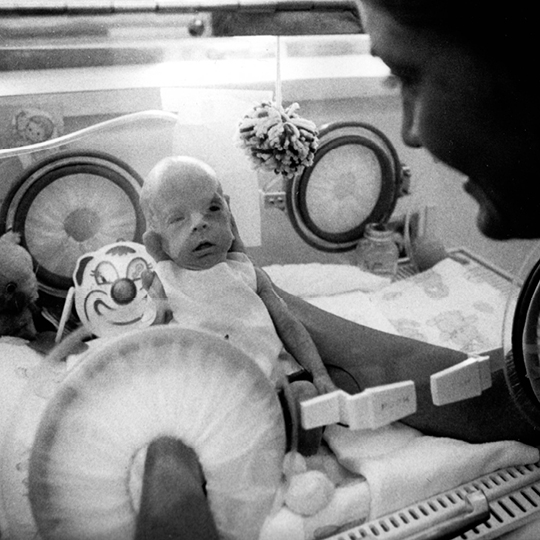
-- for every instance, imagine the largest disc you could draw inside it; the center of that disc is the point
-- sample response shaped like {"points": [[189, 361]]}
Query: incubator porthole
{"points": [[355, 179], [344, 203], [521, 338], [70, 204]]}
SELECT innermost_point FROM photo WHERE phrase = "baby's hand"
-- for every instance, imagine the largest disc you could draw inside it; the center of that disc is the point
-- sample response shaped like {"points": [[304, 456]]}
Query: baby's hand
{"points": [[152, 243]]}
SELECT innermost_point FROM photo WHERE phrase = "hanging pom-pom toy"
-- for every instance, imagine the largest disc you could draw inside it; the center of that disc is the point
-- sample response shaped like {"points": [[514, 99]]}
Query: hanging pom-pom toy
{"points": [[278, 139]]}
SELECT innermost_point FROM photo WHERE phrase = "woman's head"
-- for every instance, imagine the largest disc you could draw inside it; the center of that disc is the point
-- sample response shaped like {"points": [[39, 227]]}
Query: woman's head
{"points": [[184, 203], [465, 101], [480, 25]]}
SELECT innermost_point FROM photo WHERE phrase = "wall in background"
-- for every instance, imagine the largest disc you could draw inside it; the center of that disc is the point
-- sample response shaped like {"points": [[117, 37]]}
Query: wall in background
{"points": [[432, 183]]}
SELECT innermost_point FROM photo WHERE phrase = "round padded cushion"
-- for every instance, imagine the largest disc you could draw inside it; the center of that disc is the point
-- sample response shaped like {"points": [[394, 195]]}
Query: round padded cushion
{"points": [[162, 381], [18, 364]]}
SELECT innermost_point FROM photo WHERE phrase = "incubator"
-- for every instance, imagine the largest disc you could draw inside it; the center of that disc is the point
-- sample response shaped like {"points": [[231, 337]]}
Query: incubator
{"points": [[95, 93]]}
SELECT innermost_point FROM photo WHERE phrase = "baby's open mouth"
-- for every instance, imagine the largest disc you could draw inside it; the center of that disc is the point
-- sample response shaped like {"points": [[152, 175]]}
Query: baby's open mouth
{"points": [[203, 245]]}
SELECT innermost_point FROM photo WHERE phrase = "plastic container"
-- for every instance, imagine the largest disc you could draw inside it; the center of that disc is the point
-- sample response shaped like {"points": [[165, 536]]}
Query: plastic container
{"points": [[377, 252]]}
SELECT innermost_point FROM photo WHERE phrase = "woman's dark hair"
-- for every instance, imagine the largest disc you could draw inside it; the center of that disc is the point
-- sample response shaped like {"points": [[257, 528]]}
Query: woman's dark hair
{"points": [[504, 37], [285, 23], [480, 23]]}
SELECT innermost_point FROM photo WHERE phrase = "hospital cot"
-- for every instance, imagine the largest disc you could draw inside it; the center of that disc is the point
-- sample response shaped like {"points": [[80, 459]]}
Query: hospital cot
{"points": [[378, 528]]}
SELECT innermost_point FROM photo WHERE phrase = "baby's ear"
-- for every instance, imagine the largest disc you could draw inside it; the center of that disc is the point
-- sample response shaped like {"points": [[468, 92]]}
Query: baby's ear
{"points": [[152, 243], [227, 200], [237, 245]]}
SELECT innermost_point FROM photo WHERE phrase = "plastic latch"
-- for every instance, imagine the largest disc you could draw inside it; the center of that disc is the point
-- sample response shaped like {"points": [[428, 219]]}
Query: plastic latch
{"points": [[462, 381], [370, 409]]}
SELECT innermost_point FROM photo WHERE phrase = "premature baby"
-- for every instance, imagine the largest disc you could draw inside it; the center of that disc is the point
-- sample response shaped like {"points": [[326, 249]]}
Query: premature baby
{"points": [[209, 281], [210, 284]]}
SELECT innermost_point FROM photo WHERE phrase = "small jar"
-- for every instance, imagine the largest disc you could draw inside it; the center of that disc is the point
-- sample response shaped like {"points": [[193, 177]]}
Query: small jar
{"points": [[377, 252]]}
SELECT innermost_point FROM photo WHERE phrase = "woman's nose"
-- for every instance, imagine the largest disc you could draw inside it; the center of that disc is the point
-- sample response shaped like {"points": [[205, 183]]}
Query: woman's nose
{"points": [[409, 127]]}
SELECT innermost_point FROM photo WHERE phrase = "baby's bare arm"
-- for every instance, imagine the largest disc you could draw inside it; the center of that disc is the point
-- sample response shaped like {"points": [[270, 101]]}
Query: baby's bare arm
{"points": [[293, 333]]}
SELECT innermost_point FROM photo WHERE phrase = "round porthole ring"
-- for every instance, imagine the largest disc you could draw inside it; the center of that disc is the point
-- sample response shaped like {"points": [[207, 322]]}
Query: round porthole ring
{"points": [[44, 275], [299, 213], [400, 172], [531, 342], [515, 361], [326, 129], [42, 174]]}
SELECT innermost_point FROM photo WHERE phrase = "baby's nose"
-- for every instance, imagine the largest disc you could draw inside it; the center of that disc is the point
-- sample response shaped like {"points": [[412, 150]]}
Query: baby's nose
{"points": [[198, 222]]}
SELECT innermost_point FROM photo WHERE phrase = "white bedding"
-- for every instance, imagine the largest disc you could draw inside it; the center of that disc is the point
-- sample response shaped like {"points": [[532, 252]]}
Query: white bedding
{"points": [[448, 305], [451, 304], [317, 279], [401, 466], [355, 306]]}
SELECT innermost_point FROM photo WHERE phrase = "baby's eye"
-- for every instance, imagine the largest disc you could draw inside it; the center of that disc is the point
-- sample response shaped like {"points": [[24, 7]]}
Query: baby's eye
{"points": [[215, 208]]}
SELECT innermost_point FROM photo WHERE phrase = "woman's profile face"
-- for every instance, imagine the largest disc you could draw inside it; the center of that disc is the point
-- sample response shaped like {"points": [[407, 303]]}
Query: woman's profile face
{"points": [[454, 106]]}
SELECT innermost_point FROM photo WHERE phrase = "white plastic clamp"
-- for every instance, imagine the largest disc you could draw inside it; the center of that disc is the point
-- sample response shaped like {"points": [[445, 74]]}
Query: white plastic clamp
{"points": [[373, 408], [462, 381]]}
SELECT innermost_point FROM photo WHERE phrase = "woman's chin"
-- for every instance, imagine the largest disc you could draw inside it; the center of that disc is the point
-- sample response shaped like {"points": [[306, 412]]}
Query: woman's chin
{"points": [[492, 226], [489, 220], [506, 226], [506, 218]]}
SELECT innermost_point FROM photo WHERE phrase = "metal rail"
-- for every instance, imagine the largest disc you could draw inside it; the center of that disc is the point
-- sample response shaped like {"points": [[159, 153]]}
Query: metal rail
{"points": [[107, 7]]}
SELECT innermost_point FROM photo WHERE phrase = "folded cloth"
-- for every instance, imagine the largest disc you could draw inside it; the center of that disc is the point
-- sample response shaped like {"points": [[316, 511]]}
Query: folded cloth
{"points": [[348, 508], [351, 447], [318, 279], [452, 305], [417, 466], [355, 306]]}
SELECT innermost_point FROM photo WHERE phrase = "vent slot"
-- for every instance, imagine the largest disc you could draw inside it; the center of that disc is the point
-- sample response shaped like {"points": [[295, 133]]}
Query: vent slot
{"points": [[513, 495]]}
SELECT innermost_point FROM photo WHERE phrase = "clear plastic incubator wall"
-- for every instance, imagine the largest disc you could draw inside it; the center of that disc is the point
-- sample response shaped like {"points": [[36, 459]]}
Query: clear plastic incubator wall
{"points": [[93, 95]]}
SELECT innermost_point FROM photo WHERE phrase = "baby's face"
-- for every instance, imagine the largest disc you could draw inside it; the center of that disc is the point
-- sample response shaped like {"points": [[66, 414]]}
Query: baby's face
{"points": [[195, 222]]}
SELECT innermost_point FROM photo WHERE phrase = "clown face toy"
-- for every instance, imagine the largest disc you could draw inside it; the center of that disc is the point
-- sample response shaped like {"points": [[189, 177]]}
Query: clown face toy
{"points": [[109, 296]]}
